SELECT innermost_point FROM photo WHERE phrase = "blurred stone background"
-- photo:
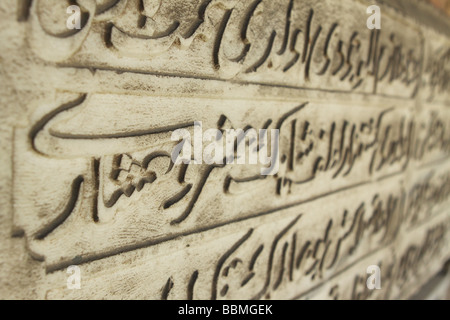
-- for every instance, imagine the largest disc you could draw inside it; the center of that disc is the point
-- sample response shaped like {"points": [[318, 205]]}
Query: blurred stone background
{"points": [[443, 5]]}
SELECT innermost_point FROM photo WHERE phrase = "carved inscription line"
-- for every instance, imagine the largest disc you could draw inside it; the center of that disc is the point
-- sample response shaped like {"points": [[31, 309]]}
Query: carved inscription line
{"points": [[86, 258], [94, 68], [311, 250], [400, 265], [399, 272], [380, 221], [352, 57], [386, 146]]}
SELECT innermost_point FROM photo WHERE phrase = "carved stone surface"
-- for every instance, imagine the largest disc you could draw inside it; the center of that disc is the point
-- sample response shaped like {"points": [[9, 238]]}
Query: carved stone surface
{"points": [[88, 180]]}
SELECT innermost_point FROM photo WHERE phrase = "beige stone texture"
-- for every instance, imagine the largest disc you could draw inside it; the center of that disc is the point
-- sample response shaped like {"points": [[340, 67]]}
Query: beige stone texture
{"points": [[87, 177]]}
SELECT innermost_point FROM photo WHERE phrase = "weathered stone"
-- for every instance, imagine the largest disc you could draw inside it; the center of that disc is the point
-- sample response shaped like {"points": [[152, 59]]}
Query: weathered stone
{"points": [[88, 179]]}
